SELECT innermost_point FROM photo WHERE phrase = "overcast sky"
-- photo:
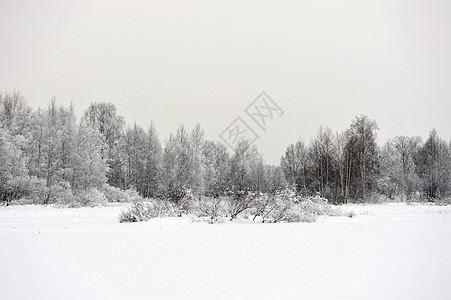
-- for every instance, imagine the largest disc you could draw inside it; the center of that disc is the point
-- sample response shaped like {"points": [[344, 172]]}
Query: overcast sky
{"points": [[204, 61]]}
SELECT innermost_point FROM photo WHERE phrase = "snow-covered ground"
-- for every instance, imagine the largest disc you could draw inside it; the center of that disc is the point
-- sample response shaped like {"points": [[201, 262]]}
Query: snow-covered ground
{"points": [[384, 252]]}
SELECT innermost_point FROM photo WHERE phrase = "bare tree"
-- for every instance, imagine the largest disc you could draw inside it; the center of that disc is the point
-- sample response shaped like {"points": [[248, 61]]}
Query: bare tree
{"points": [[321, 152], [294, 165]]}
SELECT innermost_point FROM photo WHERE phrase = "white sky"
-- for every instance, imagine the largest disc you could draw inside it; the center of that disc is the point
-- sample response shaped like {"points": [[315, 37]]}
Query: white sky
{"points": [[204, 61]]}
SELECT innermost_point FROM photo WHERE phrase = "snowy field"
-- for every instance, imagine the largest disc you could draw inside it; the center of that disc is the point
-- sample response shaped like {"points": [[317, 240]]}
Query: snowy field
{"points": [[385, 252]]}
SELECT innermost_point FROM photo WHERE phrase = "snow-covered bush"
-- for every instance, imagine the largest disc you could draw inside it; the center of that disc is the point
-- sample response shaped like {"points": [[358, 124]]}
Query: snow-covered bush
{"points": [[297, 214], [262, 205], [239, 201], [143, 211], [286, 206], [138, 212], [309, 209], [272, 207], [319, 206], [114, 194], [210, 210], [182, 200], [279, 206], [91, 197], [30, 189], [59, 193], [278, 210]]}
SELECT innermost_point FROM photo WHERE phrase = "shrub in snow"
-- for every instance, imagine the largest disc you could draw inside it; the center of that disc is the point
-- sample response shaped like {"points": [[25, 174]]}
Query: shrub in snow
{"points": [[91, 197], [143, 211], [272, 207], [278, 210], [136, 213], [279, 206], [30, 189], [261, 205], [309, 209], [182, 199], [209, 209], [297, 214], [239, 201], [316, 205], [114, 194], [59, 193], [286, 206]]}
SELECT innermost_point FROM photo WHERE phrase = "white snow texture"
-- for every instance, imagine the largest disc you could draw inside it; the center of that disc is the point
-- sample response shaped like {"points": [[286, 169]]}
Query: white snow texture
{"points": [[384, 252]]}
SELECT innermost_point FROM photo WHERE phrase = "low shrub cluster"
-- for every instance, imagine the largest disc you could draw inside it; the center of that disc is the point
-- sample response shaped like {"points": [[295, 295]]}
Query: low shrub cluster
{"points": [[279, 206], [143, 211]]}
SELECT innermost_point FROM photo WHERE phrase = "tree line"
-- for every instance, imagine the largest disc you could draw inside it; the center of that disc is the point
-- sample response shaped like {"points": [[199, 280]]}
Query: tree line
{"points": [[350, 165], [48, 155]]}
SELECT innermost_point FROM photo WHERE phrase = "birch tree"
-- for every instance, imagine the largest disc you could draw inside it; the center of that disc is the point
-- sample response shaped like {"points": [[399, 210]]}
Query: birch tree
{"points": [[363, 153]]}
